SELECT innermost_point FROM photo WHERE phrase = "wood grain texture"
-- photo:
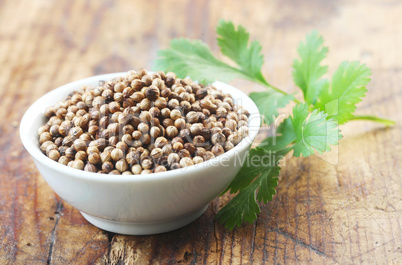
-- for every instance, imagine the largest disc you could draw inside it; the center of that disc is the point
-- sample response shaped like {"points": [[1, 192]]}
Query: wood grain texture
{"points": [[344, 208]]}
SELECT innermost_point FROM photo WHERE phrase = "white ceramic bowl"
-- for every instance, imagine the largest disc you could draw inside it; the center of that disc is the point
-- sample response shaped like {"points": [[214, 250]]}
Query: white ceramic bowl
{"points": [[137, 204]]}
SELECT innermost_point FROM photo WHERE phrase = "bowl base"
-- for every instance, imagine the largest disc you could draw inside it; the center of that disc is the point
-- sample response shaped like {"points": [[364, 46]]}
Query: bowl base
{"points": [[128, 228]]}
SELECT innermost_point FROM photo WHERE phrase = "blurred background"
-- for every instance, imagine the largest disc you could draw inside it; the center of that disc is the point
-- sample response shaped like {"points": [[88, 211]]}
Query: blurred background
{"points": [[351, 213], [47, 43]]}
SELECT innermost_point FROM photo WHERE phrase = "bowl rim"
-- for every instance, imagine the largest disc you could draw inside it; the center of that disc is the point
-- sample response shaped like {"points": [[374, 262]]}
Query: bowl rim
{"points": [[32, 146]]}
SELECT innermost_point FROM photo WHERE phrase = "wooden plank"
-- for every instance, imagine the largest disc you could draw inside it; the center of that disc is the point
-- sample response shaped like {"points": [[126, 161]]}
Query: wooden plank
{"points": [[344, 207]]}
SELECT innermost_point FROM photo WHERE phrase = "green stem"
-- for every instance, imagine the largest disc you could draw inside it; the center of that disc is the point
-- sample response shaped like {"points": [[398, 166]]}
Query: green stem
{"points": [[374, 119], [263, 82]]}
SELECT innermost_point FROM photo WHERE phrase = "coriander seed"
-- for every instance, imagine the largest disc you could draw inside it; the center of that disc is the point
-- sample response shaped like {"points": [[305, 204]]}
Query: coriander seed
{"points": [[152, 92], [43, 128], [133, 158], [142, 123], [122, 146], [45, 145], [146, 79], [128, 91], [160, 169], [117, 154], [175, 114], [184, 153], [45, 136], [173, 103], [166, 92], [137, 135], [171, 131], [229, 146], [94, 158], [78, 164], [226, 132], [185, 106], [107, 166], [155, 112], [167, 149], [208, 155], [114, 107], [192, 117], [185, 134], [90, 167], [173, 158], [64, 160], [136, 84], [165, 112], [243, 131], [234, 138], [199, 151], [145, 117], [197, 159], [196, 129], [54, 155], [177, 146], [161, 103], [81, 155], [186, 161], [138, 97], [156, 153], [175, 166], [145, 139], [154, 132], [206, 133], [105, 157], [146, 172], [242, 123], [143, 128], [207, 104], [54, 130], [231, 124], [168, 122], [146, 164], [180, 123], [218, 138], [128, 129], [70, 152], [160, 142], [144, 154], [217, 150], [75, 132], [121, 165], [198, 140], [92, 149], [79, 145], [119, 87], [136, 169]]}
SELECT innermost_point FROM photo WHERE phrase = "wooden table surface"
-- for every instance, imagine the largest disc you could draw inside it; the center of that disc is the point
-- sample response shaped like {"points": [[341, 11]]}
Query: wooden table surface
{"points": [[341, 209]]}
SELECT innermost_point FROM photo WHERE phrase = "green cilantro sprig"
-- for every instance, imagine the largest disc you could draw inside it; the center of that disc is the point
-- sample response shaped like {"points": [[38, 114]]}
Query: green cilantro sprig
{"points": [[313, 125]]}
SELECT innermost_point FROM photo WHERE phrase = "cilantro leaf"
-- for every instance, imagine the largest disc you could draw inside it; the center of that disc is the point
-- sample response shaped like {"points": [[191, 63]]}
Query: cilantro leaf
{"points": [[308, 71], [247, 172], [263, 155], [194, 59], [268, 102], [348, 87], [234, 44], [268, 181], [244, 206], [304, 132], [313, 131], [284, 137]]}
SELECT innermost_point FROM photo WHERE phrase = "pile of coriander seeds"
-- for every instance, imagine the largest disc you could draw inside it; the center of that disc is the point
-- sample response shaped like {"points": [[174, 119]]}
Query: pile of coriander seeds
{"points": [[142, 123]]}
